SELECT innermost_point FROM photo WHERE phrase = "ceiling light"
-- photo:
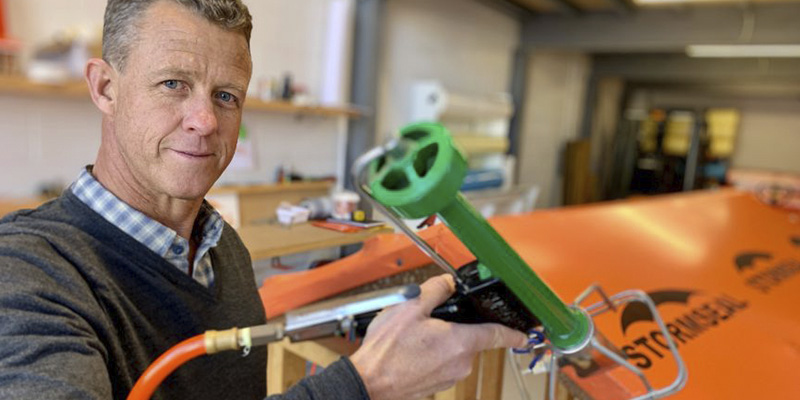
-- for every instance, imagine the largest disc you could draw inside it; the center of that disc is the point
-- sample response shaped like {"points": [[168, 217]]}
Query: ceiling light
{"points": [[744, 50]]}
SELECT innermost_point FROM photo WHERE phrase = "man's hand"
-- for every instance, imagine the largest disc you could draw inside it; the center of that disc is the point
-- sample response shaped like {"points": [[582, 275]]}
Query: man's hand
{"points": [[406, 354]]}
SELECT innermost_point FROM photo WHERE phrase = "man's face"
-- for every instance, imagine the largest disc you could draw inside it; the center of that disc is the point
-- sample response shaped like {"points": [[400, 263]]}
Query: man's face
{"points": [[179, 103]]}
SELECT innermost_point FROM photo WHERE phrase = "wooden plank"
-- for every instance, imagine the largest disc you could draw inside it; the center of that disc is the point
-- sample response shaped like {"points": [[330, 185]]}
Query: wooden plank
{"points": [[272, 240]]}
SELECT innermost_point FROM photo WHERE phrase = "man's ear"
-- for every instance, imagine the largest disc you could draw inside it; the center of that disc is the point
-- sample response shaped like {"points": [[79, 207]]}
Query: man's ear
{"points": [[102, 80]]}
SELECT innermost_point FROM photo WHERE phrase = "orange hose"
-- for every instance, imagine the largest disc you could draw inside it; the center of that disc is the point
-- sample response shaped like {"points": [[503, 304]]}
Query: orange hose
{"points": [[164, 365], [2, 21]]}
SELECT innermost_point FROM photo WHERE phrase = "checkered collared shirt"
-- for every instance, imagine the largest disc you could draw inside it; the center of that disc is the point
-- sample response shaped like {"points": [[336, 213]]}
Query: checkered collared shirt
{"points": [[149, 232]]}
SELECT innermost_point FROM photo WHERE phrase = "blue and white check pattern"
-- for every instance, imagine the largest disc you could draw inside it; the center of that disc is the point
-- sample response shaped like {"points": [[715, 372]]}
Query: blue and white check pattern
{"points": [[161, 240]]}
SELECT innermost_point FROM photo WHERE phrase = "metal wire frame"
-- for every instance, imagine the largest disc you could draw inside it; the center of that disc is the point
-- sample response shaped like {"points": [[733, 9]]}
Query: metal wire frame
{"points": [[610, 304]]}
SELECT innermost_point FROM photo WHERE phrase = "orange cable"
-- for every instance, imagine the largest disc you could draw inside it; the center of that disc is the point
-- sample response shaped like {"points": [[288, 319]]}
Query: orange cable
{"points": [[165, 364]]}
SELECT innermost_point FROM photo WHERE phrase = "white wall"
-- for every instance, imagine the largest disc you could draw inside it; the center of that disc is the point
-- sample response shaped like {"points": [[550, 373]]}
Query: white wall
{"points": [[554, 103], [465, 45], [45, 140], [769, 131]]}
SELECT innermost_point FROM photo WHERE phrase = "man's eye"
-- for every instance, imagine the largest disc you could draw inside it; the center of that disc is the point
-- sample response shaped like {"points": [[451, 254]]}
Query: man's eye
{"points": [[171, 84], [226, 97]]}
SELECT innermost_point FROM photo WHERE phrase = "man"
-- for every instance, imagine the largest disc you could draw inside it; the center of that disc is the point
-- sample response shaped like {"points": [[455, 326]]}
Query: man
{"points": [[131, 260]]}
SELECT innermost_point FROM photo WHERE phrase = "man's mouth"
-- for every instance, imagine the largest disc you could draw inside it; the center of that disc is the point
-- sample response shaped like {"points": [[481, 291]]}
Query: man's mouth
{"points": [[192, 154]]}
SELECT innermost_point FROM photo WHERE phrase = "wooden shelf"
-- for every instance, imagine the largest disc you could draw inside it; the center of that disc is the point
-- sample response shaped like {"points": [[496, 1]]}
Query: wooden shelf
{"points": [[77, 90], [22, 86], [271, 240]]}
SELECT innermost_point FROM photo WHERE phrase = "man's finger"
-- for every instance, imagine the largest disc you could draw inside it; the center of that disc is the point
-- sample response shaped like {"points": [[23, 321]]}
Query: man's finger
{"points": [[436, 291], [492, 336]]}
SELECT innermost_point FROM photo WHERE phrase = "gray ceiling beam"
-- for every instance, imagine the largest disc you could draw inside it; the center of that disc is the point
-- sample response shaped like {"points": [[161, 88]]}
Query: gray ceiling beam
{"points": [[563, 7], [510, 8], [669, 68], [624, 6], [567, 7], [664, 30]]}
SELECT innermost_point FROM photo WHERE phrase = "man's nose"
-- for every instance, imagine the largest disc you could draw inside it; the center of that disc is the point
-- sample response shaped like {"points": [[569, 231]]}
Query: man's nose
{"points": [[200, 117]]}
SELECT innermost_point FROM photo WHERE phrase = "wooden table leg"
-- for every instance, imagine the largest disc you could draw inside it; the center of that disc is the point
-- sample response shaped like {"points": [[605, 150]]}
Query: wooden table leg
{"points": [[284, 368], [492, 368]]}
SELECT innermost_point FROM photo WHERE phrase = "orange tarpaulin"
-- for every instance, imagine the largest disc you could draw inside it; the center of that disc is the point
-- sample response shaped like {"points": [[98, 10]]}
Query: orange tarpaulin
{"points": [[723, 268]]}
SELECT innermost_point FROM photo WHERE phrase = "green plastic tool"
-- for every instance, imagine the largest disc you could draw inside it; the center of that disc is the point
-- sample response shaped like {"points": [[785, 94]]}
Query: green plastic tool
{"points": [[422, 177]]}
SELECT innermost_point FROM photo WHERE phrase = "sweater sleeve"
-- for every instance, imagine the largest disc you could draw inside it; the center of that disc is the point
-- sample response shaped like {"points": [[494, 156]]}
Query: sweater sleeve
{"points": [[339, 381], [48, 351]]}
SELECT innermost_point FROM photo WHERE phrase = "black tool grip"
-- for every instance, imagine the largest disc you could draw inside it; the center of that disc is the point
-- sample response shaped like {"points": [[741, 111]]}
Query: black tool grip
{"points": [[487, 300]]}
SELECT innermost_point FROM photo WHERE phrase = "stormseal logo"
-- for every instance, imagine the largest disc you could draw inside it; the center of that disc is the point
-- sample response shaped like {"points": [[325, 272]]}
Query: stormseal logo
{"points": [[745, 261], [760, 275], [635, 312], [775, 275], [687, 326]]}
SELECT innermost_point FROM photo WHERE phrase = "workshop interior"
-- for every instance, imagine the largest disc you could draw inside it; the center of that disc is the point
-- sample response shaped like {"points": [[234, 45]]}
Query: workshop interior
{"points": [[619, 179]]}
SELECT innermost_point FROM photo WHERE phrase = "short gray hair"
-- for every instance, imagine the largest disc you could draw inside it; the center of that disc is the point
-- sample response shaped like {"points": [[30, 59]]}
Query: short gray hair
{"points": [[121, 17]]}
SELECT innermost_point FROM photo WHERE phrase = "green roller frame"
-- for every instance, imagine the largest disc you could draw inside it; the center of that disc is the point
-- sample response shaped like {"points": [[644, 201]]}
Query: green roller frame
{"points": [[422, 178]]}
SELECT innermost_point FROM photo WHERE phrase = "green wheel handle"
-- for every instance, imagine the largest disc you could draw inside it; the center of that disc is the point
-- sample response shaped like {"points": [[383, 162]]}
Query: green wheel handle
{"points": [[425, 178]]}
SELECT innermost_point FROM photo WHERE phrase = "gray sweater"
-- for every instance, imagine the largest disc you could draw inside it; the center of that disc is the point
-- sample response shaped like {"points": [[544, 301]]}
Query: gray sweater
{"points": [[85, 308]]}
